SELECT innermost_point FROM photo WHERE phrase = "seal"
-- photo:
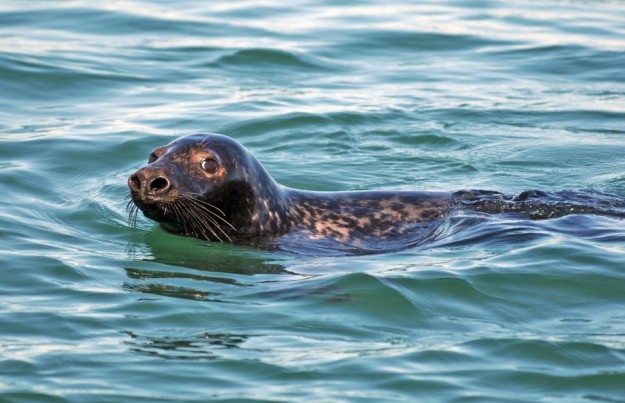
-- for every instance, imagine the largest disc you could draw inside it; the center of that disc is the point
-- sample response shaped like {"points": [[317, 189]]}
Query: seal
{"points": [[209, 186]]}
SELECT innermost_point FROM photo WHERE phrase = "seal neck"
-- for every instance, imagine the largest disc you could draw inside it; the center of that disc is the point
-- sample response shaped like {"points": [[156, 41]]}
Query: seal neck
{"points": [[259, 207]]}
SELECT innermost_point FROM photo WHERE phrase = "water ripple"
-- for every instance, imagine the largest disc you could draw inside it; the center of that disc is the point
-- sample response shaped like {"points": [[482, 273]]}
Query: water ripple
{"points": [[425, 95]]}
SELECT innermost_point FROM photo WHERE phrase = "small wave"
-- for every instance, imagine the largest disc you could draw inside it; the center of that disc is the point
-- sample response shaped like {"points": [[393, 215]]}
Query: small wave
{"points": [[55, 76], [435, 141], [372, 43], [267, 58], [566, 60]]}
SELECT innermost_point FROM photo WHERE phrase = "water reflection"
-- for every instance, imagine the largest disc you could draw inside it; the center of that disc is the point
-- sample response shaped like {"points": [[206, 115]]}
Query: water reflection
{"points": [[172, 291], [167, 265], [199, 347], [173, 250]]}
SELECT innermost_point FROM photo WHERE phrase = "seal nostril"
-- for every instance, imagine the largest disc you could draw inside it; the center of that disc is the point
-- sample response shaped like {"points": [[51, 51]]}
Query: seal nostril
{"points": [[159, 185], [134, 183]]}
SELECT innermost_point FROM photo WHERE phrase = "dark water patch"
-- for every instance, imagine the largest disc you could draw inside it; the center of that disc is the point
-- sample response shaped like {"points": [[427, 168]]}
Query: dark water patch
{"points": [[462, 300], [181, 59], [165, 290], [464, 230], [268, 127], [210, 257], [329, 293], [177, 282], [442, 357], [203, 346], [47, 80], [564, 355], [28, 396], [35, 321], [44, 163], [539, 383], [142, 274], [545, 286], [164, 51], [37, 275], [567, 61], [577, 155], [349, 290], [263, 60], [592, 120], [293, 124], [427, 141], [399, 385], [602, 229], [415, 45]]}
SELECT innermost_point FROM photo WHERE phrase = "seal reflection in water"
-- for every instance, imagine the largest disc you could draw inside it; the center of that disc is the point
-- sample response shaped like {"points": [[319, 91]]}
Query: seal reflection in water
{"points": [[209, 186]]}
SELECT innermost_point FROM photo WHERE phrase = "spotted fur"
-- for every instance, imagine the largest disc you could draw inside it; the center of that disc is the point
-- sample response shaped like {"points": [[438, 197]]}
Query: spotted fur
{"points": [[254, 205], [240, 202]]}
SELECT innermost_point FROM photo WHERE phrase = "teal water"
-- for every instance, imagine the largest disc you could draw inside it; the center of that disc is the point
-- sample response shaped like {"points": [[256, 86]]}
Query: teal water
{"points": [[438, 95]]}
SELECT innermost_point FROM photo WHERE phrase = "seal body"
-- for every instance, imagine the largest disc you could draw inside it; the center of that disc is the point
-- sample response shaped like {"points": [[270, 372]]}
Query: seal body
{"points": [[209, 186]]}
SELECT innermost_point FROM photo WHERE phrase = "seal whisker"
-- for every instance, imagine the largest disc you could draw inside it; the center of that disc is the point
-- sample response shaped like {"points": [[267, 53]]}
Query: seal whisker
{"points": [[132, 216], [213, 216], [204, 215], [133, 211], [205, 202], [212, 221], [206, 207], [191, 223], [207, 220], [209, 215], [180, 217], [197, 229], [198, 221], [189, 227]]}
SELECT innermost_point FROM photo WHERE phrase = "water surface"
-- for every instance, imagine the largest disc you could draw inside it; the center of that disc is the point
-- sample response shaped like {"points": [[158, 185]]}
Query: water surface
{"points": [[361, 95]]}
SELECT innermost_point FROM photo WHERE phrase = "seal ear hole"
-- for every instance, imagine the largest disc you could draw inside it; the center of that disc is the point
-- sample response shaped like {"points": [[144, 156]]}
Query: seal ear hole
{"points": [[152, 157], [210, 165]]}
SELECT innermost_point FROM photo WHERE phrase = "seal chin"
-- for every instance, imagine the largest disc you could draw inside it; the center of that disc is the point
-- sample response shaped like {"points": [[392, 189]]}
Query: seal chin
{"points": [[164, 215], [153, 209], [171, 226]]}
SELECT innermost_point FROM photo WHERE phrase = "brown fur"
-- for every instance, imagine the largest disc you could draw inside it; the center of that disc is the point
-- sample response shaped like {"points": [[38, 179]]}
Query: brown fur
{"points": [[254, 205]]}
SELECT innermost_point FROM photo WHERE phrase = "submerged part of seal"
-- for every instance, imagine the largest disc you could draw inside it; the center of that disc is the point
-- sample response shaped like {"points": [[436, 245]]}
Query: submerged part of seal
{"points": [[209, 186]]}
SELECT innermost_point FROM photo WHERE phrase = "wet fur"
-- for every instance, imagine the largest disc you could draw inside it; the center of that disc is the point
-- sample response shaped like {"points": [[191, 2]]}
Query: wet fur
{"points": [[242, 203]]}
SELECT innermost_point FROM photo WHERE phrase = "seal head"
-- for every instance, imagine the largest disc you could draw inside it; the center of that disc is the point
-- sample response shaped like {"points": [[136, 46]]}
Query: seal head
{"points": [[207, 186]]}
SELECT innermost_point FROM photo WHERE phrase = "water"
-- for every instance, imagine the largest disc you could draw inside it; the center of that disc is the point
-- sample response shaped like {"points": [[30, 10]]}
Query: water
{"points": [[438, 96]]}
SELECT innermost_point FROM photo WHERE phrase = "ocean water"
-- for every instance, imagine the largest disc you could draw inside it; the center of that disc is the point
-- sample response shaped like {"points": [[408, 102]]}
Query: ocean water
{"points": [[353, 95]]}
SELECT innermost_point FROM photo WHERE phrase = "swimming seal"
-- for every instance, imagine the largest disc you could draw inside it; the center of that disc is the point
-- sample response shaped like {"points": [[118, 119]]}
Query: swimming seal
{"points": [[209, 186]]}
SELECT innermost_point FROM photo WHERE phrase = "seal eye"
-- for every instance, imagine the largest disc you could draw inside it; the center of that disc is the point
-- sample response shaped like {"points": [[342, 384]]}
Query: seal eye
{"points": [[210, 165], [151, 158]]}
